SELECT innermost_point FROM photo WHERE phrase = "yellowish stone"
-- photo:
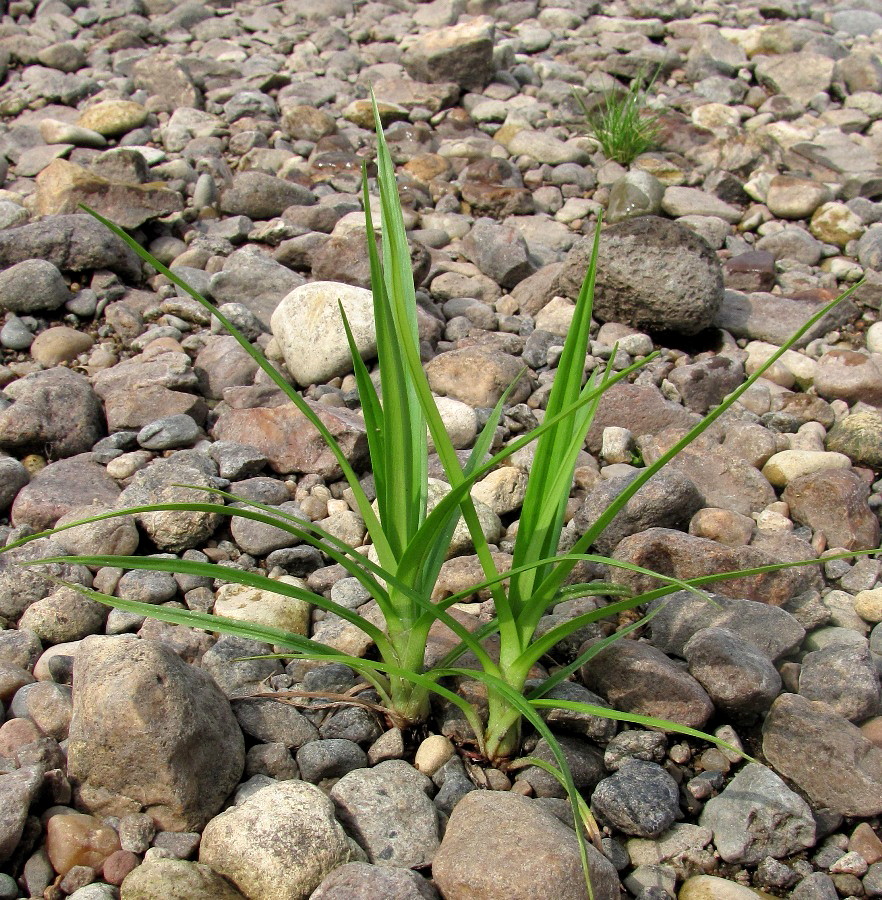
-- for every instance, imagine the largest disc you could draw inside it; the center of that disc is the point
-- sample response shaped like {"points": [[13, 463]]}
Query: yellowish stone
{"points": [[112, 118]]}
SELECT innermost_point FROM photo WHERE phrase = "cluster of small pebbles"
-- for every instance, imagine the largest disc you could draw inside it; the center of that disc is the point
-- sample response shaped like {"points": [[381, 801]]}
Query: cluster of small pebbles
{"points": [[146, 761]]}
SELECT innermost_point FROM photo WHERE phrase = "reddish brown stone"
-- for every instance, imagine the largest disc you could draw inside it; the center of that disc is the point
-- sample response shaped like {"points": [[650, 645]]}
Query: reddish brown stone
{"points": [[290, 443], [61, 487], [118, 865], [641, 408], [638, 678], [497, 200], [684, 556], [753, 271], [834, 502]]}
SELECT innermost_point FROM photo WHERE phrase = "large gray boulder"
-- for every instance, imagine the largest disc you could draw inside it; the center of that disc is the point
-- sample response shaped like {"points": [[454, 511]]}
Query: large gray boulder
{"points": [[150, 734]]}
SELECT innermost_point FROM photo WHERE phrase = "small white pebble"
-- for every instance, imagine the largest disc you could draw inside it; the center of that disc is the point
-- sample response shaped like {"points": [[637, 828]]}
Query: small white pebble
{"points": [[850, 864], [874, 338]]}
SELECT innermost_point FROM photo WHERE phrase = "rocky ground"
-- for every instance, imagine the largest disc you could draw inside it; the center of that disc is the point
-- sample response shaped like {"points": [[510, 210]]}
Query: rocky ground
{"points": [[228, 138]]}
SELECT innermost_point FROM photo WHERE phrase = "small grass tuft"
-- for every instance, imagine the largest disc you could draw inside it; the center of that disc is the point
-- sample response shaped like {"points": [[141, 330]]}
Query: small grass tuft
{"points": [[621, 123]]}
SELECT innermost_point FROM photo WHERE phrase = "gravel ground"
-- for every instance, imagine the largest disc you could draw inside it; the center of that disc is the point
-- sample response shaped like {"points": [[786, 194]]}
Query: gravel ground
{"points": [[146, 761]]}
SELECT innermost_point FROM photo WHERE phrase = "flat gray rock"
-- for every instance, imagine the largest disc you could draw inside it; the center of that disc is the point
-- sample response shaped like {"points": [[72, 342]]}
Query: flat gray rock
{"points": [[757, 816]]}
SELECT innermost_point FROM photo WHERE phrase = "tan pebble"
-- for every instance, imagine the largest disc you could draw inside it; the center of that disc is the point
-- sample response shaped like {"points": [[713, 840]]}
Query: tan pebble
{"points": [[432, 753], [33, 462], [496, 780], [723, 525], [129, 463], [59, 344], [868, 605], [709, 887], [102, 358], [783, 467], [337, 506], [872, 730], [75, 839]]}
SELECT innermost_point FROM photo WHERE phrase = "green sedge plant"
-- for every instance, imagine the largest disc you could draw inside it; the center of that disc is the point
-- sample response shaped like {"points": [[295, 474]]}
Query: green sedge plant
{"points": [[621, 122], [410, 541]]}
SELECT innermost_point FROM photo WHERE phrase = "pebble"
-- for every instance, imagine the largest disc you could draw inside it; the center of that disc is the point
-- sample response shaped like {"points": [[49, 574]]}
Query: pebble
{"points": [[641, 799], [784, 467], [758, 816]]}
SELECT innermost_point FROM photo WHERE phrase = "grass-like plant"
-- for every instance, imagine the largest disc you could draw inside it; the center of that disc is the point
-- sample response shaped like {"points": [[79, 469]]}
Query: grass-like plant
{"points": [[411, 542], [621, 123]]}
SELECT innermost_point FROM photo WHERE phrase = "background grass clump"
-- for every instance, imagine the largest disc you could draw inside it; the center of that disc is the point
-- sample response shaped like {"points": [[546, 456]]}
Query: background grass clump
{"points": [[622, 123]]}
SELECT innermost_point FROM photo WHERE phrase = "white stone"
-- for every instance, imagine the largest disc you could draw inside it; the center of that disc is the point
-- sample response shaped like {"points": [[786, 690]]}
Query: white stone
{"points": [[309, 329], [279, 843], [783, 467], [616, 445], [247, 604], [545, 148], [874, 338], [461, 540], [556, 316], [503, 490], [460, 422]]}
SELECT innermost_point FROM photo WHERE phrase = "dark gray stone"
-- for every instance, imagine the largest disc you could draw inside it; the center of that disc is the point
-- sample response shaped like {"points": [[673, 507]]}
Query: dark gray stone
{"points": [[74, 243], [845, 677], [652, 274], [261, 196], [388, 811], [641, 799], [32, 286], [274, 722], [771, 629], [54, 412], [499, 251], [329, 759], [584, 760], [668, 500], [13, 477]]}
